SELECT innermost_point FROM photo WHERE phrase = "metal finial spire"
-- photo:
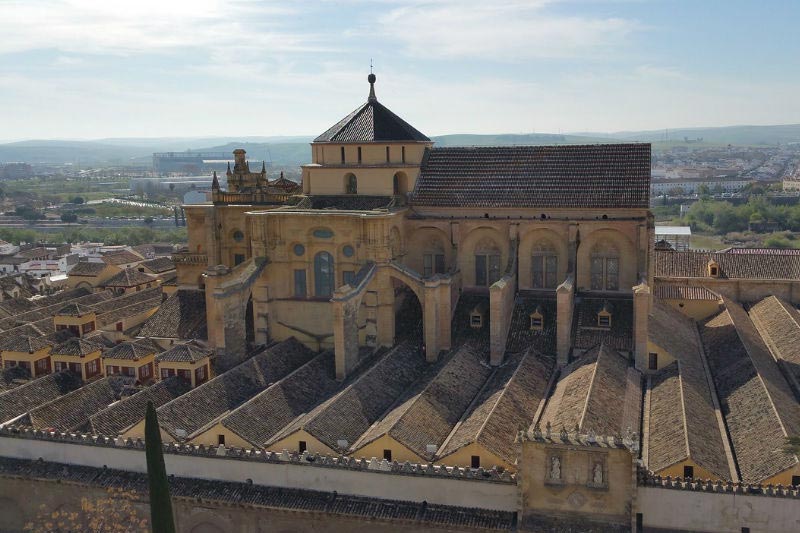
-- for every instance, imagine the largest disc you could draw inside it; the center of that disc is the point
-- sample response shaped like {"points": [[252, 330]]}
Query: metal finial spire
{"points": [[371, 79]]}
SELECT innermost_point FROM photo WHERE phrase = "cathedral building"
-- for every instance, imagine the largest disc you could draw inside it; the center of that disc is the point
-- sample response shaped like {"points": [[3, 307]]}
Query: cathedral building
{"points": [[419, 338]]}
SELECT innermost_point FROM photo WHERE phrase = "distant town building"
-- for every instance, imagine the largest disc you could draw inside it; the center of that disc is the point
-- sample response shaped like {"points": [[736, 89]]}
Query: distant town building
{"points": [[693, 185]]}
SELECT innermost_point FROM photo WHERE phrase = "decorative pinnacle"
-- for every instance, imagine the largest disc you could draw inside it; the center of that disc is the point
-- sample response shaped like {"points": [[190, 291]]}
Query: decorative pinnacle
{"points": [[215, 181], [371, 79]]}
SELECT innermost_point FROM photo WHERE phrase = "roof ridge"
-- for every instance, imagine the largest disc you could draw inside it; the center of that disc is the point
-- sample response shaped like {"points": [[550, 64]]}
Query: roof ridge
{"points": [[590, 388], [683, 410]]}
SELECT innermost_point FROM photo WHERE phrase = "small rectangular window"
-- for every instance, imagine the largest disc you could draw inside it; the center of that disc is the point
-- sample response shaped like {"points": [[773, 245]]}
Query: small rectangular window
{"points": [[300, 283], [403, 153], [688, 471], [238, 259], [653, 361], [221, 440], [796, 481], [348, 276], [301, 446], [476, 321], [475, 461], [387, 454], [427, 265], [480, 270], [119, 326], [387, 155], [359, 155], [604, 321], [342, 150], [439, 263]]}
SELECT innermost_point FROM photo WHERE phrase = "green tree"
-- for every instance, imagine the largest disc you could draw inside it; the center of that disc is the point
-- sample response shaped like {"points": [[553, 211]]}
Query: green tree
{"points": [[78, 200], [160, 504], [69, 217], [792, 445]]}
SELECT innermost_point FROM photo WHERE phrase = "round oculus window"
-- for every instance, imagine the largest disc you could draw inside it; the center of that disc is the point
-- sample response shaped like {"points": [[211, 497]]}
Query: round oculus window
{"points": [[238, 236], [348, 251], [299, 249]]}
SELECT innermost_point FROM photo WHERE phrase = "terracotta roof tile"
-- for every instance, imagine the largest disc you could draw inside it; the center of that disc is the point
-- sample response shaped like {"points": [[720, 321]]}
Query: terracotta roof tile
{"points": [[578, 176], [685, 292], [88, 269], [130, 277], [185, 353], [181, 316], [744, 264], [159, 264], [20, 400]]}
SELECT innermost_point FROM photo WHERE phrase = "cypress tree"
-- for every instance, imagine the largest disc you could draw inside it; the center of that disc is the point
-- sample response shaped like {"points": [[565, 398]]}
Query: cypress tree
{"points": [[161, 520]]}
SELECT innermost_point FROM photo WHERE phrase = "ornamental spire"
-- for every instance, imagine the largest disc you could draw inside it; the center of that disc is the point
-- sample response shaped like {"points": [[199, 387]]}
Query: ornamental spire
{"points": [[371, 79], [215, 182]]}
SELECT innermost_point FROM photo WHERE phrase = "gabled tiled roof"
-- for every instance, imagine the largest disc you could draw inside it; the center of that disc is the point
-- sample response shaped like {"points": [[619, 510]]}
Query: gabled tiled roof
{"points": [[759, 407], [427, 416], [121, 257], [181, 316], [578, 176], [507, 403], [778, 322], [744, 264], [20, 400], [371, 122], [76, 346], [71, 412], [88, 269], [520, 335], [132, 350], [130, 277], [131, 410], [598, 392], [23, 343], [265, 414], [159, 264], [351, 412], [204, 404], [183, 353], [682, 421]]}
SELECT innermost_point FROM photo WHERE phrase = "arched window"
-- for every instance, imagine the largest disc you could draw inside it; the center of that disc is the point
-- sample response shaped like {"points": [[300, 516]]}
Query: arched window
{"points": [[487, 263], [399, 183], [323, 275], [605, 267], [350, 184], [544, 266], [395, 185]]}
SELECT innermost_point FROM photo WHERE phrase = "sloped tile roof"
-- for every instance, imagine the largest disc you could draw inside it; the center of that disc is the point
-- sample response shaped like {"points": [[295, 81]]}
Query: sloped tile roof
{"points": [[204, 404], [350, 413], [159, 264], [778, 322], [371, 122], [181, 316], [593, 394], [88, 269], [578, 176], [130, 277], [74, 309], [132, 350], [684, 292], [119, 417], [20, 400], [508, 402], [71, 412], [759, 407], [259, 419], [429, 415], [586, 333], [183, 353], [744, 264], [23, 343], [682, 421], [76, 346], [520, 335], [121, 257]]}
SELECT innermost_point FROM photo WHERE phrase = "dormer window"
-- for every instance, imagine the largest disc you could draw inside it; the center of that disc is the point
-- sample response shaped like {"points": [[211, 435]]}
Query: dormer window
{"points": [[604, 316], [537, 319], [713, 269], [476, 316]]}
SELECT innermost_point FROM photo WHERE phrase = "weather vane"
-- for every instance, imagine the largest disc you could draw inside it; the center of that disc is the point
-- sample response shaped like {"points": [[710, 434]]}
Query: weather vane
{"points": [[370, 65]]}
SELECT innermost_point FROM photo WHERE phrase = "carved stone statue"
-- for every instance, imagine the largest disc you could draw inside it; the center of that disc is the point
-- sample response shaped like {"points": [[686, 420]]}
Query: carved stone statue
{"points": [[555, 468], [597, 477]]}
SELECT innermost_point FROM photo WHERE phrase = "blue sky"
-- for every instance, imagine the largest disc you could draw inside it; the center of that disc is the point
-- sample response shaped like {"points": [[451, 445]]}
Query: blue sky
{"points": [[147, 68]]}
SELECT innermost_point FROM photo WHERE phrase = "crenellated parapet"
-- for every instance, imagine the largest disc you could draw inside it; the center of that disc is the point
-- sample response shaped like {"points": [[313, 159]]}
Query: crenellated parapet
{"points": [[645, 478]]}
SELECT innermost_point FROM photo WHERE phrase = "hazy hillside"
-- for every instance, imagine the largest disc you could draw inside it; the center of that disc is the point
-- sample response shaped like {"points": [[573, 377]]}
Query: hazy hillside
{"points": [[282, 150], [742, 135]]}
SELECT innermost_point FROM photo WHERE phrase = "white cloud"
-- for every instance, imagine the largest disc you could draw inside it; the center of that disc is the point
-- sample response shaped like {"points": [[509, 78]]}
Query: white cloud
{"points": [[500, 31]]}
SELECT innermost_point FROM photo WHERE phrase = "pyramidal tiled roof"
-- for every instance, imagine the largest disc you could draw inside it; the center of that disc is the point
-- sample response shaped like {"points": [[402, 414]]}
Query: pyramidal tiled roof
{"points": [[130, 277], [372, 122], [132, 351], [76, 346], [74, 309], [183, 353]]}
